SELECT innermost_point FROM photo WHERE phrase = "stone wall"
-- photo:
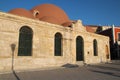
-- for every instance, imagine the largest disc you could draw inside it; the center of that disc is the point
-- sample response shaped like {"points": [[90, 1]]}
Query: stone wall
{"points": [[43, 44]]}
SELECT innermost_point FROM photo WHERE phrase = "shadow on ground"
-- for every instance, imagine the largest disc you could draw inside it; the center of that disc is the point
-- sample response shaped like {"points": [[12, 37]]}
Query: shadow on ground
{"points": [[16, 76], [70, 65], [115, 63], [106, 72], [105, 67]]}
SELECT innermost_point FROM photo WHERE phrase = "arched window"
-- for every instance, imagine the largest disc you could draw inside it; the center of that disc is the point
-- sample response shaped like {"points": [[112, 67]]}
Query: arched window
{"points": [[58, 44], [25, 41], [79, 49], [95, 47]]}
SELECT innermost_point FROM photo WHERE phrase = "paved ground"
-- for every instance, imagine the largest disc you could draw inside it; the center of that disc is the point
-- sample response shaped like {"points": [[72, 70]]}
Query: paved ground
{"points": [[89, 72]]}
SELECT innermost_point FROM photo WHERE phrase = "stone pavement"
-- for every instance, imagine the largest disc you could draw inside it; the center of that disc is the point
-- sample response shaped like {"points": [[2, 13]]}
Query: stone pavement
{"points": [[109, 71]]}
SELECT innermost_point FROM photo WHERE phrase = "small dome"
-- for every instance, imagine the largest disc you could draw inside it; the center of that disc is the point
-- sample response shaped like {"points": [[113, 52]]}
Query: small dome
{"points": [[22, 12], [50, 13]]}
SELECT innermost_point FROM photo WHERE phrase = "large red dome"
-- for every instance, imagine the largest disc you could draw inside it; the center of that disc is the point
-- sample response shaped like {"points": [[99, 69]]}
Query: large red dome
{"points": [[21, 12], [50, 13], [45, 12]]}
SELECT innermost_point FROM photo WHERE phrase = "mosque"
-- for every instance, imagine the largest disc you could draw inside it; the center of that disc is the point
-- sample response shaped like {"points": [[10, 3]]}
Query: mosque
{"points": [[45, 37]]}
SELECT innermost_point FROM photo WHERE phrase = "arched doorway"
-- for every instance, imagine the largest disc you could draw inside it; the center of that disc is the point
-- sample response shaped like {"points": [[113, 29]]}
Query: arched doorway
{"points": [[107, 51], [79, 49]]}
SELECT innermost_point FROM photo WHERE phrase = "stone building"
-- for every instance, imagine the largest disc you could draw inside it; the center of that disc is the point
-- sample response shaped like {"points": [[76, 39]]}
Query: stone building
{"points": [[113, 33], [30, 41]]}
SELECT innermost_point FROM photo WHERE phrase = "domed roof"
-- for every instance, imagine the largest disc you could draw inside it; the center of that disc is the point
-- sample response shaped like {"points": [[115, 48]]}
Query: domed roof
{"points": [[21, 12], [50, 19], [67, 24], [50, 13]]}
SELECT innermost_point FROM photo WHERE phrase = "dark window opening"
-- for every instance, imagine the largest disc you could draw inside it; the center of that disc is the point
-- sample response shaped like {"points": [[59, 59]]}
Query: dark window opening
{"points": [[25, 41], [95, 47], [58, 44]]}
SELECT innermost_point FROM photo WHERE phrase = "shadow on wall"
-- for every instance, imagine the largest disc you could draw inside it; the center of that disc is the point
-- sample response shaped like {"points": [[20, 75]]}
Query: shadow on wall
{"points": [[12, 68], [13, 49]]}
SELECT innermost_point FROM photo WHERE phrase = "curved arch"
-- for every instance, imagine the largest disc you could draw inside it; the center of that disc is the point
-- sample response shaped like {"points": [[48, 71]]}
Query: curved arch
{"points": [[58, 44], [107, 51], [79, 48], [25, 41], [95, 47]]}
